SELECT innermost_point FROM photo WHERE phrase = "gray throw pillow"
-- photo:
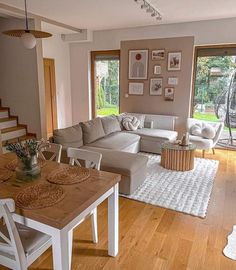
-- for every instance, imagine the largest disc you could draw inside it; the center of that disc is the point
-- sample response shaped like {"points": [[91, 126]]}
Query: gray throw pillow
{"points": [[69, 137], [110, 124], [130, 122], [92, 130]]}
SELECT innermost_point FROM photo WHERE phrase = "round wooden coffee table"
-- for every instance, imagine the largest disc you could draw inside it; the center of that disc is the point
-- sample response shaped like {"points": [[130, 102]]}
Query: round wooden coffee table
{"points": [[176, 157]]}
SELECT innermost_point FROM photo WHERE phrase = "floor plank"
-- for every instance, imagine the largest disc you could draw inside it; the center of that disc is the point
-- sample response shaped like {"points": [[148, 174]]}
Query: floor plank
{"points": [[161, 239]]}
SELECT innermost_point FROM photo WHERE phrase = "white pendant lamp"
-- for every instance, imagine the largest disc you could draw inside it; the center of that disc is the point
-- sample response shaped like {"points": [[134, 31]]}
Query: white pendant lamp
{"points": [[28, 37]]}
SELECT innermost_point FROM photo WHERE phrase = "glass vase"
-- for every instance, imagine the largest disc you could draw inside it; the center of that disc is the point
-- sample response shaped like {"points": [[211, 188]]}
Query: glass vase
{"points": [[28, 169]]}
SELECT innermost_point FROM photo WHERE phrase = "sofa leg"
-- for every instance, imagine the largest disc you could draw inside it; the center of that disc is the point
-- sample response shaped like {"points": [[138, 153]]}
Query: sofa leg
{"points": [[203, 153], [213, 151]]}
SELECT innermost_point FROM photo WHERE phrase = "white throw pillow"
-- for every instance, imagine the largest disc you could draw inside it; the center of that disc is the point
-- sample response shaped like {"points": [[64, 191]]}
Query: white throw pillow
{"points": [[140, 117], [208, 132], [130, 122], [196, 129]]}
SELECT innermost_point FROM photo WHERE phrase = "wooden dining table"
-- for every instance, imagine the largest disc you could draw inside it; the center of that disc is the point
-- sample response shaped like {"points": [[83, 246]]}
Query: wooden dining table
{"points": [[59, 220]]}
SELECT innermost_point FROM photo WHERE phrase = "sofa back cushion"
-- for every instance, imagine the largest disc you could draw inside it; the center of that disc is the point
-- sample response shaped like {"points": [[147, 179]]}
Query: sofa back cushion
{"points": [[92, 130], [110, 124], [69, 137]]}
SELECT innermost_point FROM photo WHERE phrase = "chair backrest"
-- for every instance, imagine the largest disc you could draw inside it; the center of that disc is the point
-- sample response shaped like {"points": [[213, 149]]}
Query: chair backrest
{"points": [[53, 150], [91, 159], [218, 126], [12, 253]]}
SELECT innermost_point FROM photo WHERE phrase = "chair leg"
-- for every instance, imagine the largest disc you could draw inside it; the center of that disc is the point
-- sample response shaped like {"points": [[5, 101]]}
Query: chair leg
{"points": [[203, 153], [213, 151], [94, 226]]}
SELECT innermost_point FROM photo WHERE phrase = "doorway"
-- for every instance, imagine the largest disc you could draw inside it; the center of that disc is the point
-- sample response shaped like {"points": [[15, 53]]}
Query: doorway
{"points": [[214, 97], [50, 95], [105, 69]]}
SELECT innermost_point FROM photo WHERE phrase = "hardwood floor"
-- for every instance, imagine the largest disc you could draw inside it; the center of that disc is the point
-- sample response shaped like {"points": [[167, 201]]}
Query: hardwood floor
{"points": [[155, 238]]}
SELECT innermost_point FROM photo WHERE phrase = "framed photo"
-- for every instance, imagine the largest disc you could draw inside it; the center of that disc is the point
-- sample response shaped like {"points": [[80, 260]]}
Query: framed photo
{"points": [[135, 88], [174, 61], [169, 93], [138, 64], [173, 81], [156, 87], [157, 70], [158, 54]]}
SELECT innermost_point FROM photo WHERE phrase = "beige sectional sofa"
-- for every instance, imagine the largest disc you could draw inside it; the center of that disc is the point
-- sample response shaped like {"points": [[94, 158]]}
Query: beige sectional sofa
{"points": [[119, 147]]}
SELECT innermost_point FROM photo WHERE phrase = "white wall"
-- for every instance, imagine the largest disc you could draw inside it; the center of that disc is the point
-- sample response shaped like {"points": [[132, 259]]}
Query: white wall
{"points": [[57, 49], [19, 88], [204, 32]]}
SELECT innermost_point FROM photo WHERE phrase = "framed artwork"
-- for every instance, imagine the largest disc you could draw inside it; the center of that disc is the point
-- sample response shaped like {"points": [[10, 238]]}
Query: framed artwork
{"points": [[173, 81], [174, 61], [157, 70], [138, 64], [158, 54], [169, 93], [156, 87], [135, 88]]}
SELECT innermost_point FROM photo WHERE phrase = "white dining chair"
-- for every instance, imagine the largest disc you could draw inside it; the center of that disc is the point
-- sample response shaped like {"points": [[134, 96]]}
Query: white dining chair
{"points": [[20, 246], [51, 151], [91, 160]]}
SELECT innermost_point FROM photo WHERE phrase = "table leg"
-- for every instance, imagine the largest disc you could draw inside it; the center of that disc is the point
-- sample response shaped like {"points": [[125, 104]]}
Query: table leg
{"points": [[94, 225], [113, 222], [62, 249]]}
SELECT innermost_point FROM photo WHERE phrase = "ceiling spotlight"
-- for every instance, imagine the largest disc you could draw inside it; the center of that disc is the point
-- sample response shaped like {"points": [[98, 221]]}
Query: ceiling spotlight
{"points": [[144, 4]]}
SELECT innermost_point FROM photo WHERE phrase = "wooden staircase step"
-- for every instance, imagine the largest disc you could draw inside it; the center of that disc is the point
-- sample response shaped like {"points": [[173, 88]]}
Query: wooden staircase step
{"points": [[4, 113], [13, 132], [8, 122], [19, 139]]}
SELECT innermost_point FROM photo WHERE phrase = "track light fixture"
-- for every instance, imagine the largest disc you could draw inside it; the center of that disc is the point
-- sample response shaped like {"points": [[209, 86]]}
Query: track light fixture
{"points": [[149, 9]]}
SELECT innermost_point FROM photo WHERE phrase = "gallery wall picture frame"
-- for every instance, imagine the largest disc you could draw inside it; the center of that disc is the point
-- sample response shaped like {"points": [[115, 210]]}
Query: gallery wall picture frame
{"points": [[158, 54], [136, 88], [138, 64], [174, 61], [173, 81], [156, 87], [169, 93], [157, 70]]}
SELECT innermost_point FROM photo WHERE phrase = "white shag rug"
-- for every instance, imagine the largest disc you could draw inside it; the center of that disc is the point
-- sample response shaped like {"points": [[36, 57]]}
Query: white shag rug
{"points": [[230, 249], [188, 192]]}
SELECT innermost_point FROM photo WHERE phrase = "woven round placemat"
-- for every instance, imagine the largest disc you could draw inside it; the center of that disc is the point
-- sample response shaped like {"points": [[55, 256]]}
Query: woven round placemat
{"points": [[5, 175], [12, 165], [39, 196], [69, 175]]}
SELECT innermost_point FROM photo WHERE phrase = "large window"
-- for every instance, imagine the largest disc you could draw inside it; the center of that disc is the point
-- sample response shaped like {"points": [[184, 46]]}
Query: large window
{"points": [[105, 82], [215, 88]]}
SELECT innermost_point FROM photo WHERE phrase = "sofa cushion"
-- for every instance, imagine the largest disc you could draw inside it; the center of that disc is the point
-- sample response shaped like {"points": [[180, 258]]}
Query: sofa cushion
{"points": [[116, 141], [119, 162], [69, 137], [92, 130], [200, 142], [156, 134], [110, 124]]}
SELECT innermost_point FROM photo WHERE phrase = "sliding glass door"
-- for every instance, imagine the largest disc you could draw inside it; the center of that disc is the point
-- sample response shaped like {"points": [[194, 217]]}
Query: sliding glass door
{"points": [[215, 89], [105, 82]]}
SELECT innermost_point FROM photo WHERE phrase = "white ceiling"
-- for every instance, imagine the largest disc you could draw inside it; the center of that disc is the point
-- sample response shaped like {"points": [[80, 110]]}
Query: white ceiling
{"points": [[111, 14]]}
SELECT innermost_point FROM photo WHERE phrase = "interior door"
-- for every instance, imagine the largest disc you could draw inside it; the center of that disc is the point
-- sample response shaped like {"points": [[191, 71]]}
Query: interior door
{"points": [[50, 95]]}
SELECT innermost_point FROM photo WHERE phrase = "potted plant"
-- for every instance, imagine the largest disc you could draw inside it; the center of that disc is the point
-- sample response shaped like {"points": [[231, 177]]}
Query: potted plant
{"points": [[27, 153]]}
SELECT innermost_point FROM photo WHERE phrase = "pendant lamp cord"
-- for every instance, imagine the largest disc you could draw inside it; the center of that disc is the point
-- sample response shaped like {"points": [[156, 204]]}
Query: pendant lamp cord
{"points": [[26, 17]]}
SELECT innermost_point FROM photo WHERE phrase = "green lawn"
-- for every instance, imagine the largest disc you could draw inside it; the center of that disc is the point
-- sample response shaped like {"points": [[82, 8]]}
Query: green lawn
{"points": [[108, 111]]}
